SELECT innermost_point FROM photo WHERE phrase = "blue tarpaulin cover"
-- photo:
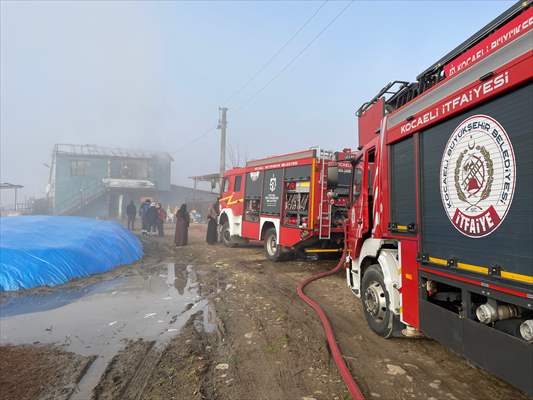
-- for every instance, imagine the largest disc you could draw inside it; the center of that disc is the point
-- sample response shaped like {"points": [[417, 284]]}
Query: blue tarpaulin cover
{"points": [[46, 250]]}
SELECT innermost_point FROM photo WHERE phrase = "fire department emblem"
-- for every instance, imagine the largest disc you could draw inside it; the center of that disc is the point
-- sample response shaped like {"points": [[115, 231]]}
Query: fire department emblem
{"points": [[272, 184], [478, 176], [254, 176]]}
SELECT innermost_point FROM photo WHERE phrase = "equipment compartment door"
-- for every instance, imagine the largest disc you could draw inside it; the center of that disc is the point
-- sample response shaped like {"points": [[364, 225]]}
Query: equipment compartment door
{"points": [[253, 188], [272, 185]]}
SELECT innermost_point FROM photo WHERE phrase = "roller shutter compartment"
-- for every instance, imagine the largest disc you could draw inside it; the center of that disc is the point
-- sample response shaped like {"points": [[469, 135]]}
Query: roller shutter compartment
{"points": [[403, 185]]}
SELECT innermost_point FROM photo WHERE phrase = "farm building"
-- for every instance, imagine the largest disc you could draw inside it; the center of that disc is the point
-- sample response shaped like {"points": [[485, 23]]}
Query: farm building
{"points": [[99, 182]]}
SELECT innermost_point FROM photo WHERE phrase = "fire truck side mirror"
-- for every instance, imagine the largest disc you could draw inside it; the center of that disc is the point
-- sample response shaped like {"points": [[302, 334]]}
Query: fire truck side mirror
{"points": [[357, 180], [333, 176]]}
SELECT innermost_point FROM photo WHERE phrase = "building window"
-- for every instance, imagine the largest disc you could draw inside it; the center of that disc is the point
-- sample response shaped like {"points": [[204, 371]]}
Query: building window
{"points": [[134, 169], [79, 167]]}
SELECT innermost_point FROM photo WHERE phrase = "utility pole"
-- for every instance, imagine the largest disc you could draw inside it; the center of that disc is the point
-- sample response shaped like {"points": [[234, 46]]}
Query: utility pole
{"points": [[222, 123]]}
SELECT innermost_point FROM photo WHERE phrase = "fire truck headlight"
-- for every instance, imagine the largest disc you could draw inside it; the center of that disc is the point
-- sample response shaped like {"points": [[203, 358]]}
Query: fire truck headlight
{"points": [[526, 330]]}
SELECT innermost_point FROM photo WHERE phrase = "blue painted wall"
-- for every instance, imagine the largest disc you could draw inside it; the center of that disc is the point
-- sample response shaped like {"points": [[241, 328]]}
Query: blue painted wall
{"points": [[68, 186]]}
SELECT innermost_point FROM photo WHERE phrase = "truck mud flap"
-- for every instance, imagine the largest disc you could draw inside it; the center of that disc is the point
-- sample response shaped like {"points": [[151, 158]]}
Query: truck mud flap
{"points": [[505, 356]]}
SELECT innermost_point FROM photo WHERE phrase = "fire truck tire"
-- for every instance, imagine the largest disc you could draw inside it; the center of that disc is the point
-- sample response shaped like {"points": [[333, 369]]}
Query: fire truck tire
{"points": [[226, 236], [272, 248], [376, 302]]}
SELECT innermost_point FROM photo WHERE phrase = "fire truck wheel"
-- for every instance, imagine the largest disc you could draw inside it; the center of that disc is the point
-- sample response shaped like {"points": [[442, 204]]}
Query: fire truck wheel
{"points": [[226, 236], [376, 302], [272, 248]]}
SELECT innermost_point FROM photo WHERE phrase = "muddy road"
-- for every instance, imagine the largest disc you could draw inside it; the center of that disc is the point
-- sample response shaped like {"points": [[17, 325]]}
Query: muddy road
{"points": [[208, 322]]}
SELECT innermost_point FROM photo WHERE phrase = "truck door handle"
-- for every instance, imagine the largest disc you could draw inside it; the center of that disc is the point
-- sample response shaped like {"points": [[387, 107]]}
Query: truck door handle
{"points": [[359, 221]]}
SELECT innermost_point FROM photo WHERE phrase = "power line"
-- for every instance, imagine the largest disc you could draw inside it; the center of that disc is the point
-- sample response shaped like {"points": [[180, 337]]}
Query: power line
{"points": [[298, 55], [273, 57], [337, 16], [258, 72], [201, 136]]}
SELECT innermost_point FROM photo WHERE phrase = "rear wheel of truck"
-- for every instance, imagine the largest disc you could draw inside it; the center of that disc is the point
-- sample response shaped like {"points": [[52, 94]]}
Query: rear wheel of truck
{"points": [[272, 248], [226, 235], [376, 302]]}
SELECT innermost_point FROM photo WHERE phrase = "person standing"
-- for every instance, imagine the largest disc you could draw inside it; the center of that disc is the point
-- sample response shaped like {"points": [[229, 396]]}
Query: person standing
{"points": [[181, 236], [212, 218], [131, 212], [143, 213], [161, 218], [153, 217], [170, 215]]}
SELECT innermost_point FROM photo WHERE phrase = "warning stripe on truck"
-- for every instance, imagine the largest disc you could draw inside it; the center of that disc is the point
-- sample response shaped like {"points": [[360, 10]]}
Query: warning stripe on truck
{"points": [[517, 277], [482, 270], [478, 283]]}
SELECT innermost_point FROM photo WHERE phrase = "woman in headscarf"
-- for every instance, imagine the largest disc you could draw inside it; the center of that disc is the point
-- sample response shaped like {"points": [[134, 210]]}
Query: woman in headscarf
{"points": [[212, 216], [182, 226]]}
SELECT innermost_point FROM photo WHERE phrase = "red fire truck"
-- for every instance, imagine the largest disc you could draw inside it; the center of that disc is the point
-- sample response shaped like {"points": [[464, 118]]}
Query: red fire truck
{"points": [[294, 201], [440, 228]]}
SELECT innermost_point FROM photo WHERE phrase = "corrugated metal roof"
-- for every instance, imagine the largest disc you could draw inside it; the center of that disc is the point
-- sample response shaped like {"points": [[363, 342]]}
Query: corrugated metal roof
{"points": [[7, 185], [101, 151]]}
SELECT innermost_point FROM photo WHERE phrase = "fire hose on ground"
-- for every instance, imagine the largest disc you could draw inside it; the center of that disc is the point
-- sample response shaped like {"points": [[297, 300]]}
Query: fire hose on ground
{"points": [[346, 375]]}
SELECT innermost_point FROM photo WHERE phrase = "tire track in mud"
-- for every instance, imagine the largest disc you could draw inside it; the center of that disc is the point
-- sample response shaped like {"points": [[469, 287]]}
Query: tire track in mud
{"points": [[140, 379], [121, 370], [176, 370], [182, 370]]}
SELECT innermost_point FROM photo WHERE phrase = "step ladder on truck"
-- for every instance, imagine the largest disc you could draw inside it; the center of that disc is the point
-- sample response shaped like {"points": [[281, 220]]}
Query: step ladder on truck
{"points": [[324, 224]]}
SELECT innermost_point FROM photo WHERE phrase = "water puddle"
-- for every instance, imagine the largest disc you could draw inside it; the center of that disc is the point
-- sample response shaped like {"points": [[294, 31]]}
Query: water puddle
{"points": [[98, 318]]}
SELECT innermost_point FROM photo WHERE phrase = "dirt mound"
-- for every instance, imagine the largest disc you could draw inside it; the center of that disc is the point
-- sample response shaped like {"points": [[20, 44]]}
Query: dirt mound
{"points": [[43, 372]]}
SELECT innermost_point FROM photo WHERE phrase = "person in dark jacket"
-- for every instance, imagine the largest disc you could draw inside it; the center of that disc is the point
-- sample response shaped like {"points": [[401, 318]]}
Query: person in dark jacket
{"points": [[161, 218], [181, 235], [131, 212], [212, 218], [153, 218], [143, 213]]}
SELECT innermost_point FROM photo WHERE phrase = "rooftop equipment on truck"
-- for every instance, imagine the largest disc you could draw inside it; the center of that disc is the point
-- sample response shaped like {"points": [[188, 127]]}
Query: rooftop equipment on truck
{"points": [[294, 201], [440, 229]]}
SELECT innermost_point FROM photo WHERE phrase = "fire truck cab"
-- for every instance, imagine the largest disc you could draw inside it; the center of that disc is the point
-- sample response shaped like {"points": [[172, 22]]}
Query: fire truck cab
{"points": [[440, 228], [292, 202]]}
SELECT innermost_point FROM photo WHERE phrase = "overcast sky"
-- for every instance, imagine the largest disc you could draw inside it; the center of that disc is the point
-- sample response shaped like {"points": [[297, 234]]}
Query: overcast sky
{"points": [[152, 75]]}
